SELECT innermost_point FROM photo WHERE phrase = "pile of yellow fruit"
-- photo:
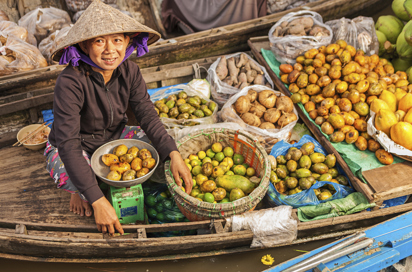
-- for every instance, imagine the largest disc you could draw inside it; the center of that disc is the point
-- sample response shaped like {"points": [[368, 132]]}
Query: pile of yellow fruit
{"points": [[394, 117], [338, 87], [128, 163]]}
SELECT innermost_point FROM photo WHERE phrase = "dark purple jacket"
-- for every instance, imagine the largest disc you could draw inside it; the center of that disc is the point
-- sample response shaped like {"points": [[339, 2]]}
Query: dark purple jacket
{"points": [[88, 114]]}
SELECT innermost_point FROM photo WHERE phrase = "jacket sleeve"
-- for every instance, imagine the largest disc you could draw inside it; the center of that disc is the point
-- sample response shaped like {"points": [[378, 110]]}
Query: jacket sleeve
{"points": [[146, 115], [68, 102]]}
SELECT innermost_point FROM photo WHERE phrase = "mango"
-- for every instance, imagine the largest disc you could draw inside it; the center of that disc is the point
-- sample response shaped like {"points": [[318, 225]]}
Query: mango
{"points": [[405, 103], [320, 168], [303, 173], [236, 194], [384, 120], [330, 160], [307, 148], [378, 104], [401, 133], [305, 162], [317, 157], [390, 99], [231, 182]]}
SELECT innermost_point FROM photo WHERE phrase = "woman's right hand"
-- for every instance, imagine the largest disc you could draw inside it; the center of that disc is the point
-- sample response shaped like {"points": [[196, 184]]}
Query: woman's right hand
{"points": [[105, 216]]}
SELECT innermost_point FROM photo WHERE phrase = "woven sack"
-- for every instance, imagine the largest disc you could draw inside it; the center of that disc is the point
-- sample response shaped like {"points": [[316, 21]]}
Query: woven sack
{"points": [[242, 143]]}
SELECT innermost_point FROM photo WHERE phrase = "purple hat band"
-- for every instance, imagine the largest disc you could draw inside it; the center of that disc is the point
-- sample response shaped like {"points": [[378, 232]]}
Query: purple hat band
{"points": [[72, 55]]}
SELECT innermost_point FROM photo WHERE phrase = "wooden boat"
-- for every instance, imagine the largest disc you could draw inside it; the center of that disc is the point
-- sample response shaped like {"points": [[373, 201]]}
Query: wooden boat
{"points": [[391, 242], [36, 225]]}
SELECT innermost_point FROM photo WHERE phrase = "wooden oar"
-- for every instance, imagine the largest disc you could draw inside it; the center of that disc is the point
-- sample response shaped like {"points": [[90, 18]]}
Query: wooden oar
{"points": [[31, 134]]}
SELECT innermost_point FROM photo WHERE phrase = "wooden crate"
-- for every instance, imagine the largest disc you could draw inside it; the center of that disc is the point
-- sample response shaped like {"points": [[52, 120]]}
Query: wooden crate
{"points": [[386, 182]]}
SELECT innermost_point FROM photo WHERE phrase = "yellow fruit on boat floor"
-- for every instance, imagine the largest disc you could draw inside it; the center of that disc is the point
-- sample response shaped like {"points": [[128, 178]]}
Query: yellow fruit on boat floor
{"points": [[405, 103], [384, 120], [401, 133], [379, 104], [408, 117], [390, 99]]}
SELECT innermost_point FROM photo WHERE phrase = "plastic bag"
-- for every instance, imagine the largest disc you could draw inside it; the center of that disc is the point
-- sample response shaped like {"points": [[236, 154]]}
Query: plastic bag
{"points": [[48, 45], [182, 123], [221, 91], [387, 143], [19, 55], [287, 48], [270, 227], [41, 22], [266, 137], [10, 28], [78, 5], [359, 32], [161, 208], [306, 197]]}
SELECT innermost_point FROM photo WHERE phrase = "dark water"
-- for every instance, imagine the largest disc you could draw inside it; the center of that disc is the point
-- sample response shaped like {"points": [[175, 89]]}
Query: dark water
{"points": [[239, 262]]}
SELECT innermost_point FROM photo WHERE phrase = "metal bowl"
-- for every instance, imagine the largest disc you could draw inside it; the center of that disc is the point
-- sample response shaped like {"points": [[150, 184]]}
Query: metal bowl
{"points": [[102, 170]]}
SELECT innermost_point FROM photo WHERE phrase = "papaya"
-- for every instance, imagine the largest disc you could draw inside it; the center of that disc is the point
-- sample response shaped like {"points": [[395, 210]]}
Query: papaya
{"points": [[235, 181]]}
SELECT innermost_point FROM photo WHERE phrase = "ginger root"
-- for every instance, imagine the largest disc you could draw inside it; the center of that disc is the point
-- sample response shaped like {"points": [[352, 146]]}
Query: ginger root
{"points": [[221, 69]]}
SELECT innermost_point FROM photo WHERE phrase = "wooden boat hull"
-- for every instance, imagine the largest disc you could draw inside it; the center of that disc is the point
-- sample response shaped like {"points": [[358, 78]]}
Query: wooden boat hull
{"points": [[36, 225]]}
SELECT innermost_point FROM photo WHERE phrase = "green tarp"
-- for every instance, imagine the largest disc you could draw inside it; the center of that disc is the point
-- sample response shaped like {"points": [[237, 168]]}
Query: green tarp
{"points": [[357, 160], [353, 203]]}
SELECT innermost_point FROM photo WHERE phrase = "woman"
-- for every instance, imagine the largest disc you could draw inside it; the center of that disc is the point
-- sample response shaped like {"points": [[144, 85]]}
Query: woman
{"points": [[90, 102]]}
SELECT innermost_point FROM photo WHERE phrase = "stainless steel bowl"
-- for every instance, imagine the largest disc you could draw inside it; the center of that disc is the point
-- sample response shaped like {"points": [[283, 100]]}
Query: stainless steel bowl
{"points": [[102, 170]]}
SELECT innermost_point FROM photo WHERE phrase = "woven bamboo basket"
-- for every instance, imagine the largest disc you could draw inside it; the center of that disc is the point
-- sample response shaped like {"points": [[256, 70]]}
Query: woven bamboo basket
{"points": [[242, 143]]}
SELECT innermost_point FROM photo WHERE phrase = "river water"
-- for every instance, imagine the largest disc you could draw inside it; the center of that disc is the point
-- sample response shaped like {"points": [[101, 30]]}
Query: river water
{"points": [[239, 262]]}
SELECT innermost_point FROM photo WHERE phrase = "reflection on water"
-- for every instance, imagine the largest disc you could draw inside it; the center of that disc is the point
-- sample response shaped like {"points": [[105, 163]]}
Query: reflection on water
{"points": [[239, 262]]}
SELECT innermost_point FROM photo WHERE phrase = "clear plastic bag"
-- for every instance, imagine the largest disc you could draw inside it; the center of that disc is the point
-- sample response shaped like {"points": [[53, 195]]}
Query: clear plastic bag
{"points": [[266, 137], [287, 48], [78, 5], [182, 123], [48, 45], [41, 22], [10, 28], [161, 208], [359, 32], [306, 197], [221, 91], [270, 227], [20, 56]]}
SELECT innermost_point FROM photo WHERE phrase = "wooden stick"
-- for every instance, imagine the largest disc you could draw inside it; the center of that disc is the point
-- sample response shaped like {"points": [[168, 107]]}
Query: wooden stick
{"points": [[31, 134]]}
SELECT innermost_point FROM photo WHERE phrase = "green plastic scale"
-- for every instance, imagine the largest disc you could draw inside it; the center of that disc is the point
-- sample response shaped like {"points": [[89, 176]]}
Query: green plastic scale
{"points": [[128, 203]]}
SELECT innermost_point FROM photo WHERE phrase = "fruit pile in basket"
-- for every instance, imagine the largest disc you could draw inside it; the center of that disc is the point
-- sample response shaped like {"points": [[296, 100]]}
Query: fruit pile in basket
{"points": [[300, 168], [182, 106], [128, 164], [220, 176]]}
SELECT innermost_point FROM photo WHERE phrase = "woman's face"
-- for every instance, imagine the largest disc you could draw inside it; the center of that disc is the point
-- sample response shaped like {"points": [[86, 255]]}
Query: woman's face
{"points": [[106, 51]]}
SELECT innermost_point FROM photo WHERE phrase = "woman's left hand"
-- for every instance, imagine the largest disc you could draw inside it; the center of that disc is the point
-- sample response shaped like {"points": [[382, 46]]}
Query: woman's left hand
{"points": [[180, 170]]}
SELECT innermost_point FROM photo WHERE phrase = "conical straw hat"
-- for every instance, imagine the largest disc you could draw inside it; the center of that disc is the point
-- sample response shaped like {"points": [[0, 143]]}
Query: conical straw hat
{"points": [[100, 19]]}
